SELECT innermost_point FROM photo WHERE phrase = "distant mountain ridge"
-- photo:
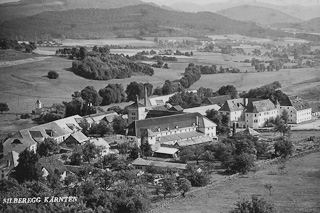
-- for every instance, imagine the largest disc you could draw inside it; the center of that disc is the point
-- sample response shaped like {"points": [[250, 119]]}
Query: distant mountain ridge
{"points": [[31, 7], [312, 25], [297, 11], [257, 14], [130, 21]]}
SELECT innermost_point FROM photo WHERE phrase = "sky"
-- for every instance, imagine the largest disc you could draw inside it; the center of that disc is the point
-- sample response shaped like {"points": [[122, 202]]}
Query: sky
{"points": [[203, 2]]}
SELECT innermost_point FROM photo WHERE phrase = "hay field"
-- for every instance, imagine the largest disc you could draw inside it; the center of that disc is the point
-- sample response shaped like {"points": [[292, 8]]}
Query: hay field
{"points": [[297, 190]]}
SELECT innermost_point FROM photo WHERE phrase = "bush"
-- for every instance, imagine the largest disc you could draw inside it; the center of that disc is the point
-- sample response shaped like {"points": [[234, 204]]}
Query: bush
{"points": [[283, 148], [53, 75], [256, 204]]}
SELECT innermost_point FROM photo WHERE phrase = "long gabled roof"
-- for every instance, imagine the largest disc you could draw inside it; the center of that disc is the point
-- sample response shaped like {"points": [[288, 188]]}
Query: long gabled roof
{"points": [[162, 123], [19, 142], [295, 102], [219, 100]]}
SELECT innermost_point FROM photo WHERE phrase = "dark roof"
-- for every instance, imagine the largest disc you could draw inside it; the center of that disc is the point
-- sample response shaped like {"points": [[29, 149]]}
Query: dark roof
{"points": [[161, 113], [36, 134], [51, 164], [238, 104], [135, 105], [176, 108], [181, 120], [19, 142], [219, 100], [296, 102], [260, 106], [315, 107]]}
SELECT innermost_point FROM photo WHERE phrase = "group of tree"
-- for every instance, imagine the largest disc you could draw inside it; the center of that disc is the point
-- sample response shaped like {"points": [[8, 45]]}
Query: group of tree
{"points": [[178, 52], [191, 75], [79, 106], [214, 70], [270, 91], [135, 90], [4, 107], [222, 121], [15, 45], [168, 87], [53, 75]]}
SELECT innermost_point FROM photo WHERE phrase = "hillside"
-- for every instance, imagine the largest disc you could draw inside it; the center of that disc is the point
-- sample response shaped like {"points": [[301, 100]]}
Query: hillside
{"points": [[303, 12], [139, 20], [259, 15], [312, 26], [31, 7]]}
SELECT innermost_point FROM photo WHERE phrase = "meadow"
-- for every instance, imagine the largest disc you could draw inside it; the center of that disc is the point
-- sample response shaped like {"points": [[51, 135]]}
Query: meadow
{"points": [[21, 85], [294, 190]]}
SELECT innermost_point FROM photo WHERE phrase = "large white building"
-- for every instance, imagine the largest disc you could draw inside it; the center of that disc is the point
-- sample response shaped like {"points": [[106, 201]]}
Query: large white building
{"points": [[248, 112], [298, 110], [175, 130]]}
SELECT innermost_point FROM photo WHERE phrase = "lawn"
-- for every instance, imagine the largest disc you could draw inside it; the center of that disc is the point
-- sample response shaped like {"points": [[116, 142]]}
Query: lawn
{"points": [[297, 190]]}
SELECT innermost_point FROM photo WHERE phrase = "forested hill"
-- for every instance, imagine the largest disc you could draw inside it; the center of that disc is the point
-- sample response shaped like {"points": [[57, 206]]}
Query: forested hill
{"points": [[312, 26], [256, 14], [142, 20], [31, 7]]}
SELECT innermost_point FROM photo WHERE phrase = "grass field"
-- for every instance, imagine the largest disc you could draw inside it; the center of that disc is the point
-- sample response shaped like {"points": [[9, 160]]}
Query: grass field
{"points": [[297, 190], [22, 85]]}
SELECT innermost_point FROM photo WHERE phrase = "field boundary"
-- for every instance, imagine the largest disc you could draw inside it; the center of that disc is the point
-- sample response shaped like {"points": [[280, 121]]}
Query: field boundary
{"points": [[198, 191]]}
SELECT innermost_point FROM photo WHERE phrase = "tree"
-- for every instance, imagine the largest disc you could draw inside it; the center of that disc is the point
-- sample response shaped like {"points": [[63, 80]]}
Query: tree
{"points": [[242, 163], [90, 151], [84, 124], [255, 205], [184, 186], [285, 116], [228, 90], [168, 185], [119, 125], [222, 121], [113, 93], [192, 153], [76, 159], [130, 199], [123, 148], [106, 179], [133, 90], [103, 128], [283, 147], [83, 53], [90, 95], [4, 107], [48, 147], [146, 148], [134, 152], [28, 168], [53, 75]]}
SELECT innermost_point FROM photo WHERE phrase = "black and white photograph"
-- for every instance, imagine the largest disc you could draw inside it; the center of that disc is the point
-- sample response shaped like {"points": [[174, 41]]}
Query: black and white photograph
{"points": [[159, 106]]}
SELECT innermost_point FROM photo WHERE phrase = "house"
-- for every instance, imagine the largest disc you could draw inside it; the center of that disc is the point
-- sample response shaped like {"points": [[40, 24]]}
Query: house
{"points": [[298, 110], [75, 140], [257, 113], [173, 128], [202, 109], [104, 145], [140, 163], [51, 165], [166, 152], [59, 130], [7, 163], [219, 100], [249, 112], [105, 116]]}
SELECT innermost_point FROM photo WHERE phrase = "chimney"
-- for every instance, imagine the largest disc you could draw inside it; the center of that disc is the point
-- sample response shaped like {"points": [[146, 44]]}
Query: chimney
{"points": [[197, 123], [8, 163], [137, 99], [234, 129], [246, 101], [145, 95]]}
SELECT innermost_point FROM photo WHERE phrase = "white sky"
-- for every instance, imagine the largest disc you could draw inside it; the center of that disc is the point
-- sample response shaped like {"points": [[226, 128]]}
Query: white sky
{"points": [[203, 2]]}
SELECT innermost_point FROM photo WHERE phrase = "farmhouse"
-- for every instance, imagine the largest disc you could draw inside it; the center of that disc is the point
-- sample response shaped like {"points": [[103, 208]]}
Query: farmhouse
{"points": [[97, 118], [298, 110], [51, 165], [59, 130]]}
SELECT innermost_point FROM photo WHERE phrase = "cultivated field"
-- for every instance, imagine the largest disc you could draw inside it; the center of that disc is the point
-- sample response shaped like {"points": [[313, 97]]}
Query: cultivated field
{"points": [[297, 190]]}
